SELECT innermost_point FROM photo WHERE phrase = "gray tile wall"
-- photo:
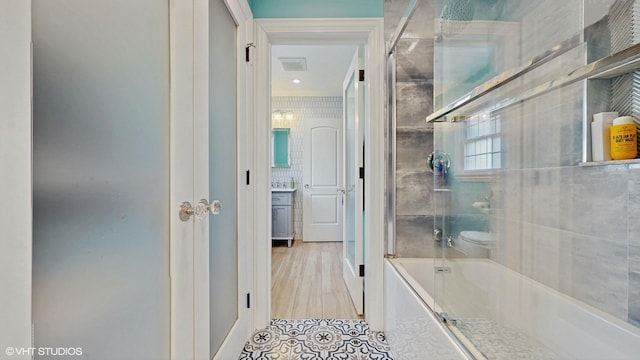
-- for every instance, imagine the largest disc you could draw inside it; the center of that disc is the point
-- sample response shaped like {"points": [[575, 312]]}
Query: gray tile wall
{"points": [[414, 184], [575, 229], [415, 205]]}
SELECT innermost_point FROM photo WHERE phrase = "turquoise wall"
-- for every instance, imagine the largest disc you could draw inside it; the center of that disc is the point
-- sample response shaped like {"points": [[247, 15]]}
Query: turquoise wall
{"points": [[316, 8]]}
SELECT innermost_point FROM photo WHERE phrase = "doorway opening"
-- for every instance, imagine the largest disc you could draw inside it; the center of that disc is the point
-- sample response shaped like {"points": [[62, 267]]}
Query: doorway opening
{"points": [[310, 208], [358, 33]]}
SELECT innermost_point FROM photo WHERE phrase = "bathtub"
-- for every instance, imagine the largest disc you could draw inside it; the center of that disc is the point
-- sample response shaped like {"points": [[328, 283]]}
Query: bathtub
{"points": [[503, 314]]}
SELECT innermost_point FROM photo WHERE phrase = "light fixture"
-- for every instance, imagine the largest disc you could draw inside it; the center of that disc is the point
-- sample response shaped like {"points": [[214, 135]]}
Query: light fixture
{"points": [[277, 115], [288, 116], [296, 81]]}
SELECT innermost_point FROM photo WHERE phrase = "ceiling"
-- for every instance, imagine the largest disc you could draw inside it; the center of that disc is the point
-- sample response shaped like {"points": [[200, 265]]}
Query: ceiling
{"points": [[327, 66]]}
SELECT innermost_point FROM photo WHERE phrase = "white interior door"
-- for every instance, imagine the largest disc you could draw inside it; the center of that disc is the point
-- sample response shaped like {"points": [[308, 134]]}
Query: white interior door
{"points": [[353, 200], [110, 168], [221, 318], [322, 179], [102, 211]]}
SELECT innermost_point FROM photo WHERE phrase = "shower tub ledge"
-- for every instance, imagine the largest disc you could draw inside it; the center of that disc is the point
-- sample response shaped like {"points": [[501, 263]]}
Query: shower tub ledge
{"points": [[503, 313]]}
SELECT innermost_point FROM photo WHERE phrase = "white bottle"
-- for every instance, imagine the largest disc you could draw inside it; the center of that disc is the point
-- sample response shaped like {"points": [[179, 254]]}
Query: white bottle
{"points": [[600, 141]]}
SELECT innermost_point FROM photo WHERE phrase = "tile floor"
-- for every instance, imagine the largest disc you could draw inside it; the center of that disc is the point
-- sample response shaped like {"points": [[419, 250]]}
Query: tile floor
{"points": [[315, 339]]}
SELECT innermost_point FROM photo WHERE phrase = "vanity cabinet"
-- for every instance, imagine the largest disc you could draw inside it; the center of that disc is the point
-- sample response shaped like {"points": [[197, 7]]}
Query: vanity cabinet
{"points": [[282, 215]]}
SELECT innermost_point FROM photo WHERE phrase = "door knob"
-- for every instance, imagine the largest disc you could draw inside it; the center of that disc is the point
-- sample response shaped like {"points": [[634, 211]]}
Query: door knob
{"points": [[343, 191], [186, 210], [215, 206], [200, 211], [306, 186]]}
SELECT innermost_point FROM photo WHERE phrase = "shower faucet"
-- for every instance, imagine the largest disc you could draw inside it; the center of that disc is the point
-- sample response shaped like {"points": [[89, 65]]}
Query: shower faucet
{"points": [[438, 163], [450, 242], [437, 235]]}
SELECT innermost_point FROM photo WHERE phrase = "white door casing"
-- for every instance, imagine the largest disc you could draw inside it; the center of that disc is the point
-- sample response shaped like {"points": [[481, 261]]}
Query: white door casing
{"points": [[352, 257], [322, 180], [16, 170], [367, 31], [181, 178]]}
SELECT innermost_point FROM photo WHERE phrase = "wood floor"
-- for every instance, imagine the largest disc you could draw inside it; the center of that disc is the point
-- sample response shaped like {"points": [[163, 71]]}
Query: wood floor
{"points": [[307, 282]]}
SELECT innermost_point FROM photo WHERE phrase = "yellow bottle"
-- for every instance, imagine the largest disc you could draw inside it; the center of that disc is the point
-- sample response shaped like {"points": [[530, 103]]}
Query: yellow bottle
{"points": [[624, 138]]}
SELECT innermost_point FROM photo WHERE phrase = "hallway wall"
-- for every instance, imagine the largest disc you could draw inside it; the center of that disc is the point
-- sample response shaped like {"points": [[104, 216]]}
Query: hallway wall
{"points": [[316, 9], [302, 107]]}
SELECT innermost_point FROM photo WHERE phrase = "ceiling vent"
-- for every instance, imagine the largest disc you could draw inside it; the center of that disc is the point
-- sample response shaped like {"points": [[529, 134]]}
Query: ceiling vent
{"points": [[293, 63]]}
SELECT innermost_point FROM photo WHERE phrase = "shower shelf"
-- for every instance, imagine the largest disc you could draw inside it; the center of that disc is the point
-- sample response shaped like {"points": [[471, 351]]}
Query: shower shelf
{"points": [[620, 63], [610, 162]]}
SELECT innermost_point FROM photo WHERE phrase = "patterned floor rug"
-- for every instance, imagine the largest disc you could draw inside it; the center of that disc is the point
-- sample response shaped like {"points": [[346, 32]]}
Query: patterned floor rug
{"points": [[315, 339]]}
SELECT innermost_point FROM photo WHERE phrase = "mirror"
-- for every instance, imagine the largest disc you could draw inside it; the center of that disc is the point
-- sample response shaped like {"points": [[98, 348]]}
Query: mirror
{"points": [[280, 148]]}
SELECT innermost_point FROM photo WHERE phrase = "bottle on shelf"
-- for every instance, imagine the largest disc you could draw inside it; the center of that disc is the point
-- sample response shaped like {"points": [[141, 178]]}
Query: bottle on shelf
{"points": [[624, 138], [600, 138]]}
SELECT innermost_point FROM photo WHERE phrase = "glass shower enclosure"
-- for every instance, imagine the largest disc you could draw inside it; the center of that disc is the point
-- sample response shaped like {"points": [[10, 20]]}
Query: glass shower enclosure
{"points": [[530, 240]]}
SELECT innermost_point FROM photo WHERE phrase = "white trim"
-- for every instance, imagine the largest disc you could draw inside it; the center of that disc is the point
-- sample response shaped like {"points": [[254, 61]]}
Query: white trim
{"points": [[181, 174], [16, 179], [262, 176], [368, 31], [200, 145]]}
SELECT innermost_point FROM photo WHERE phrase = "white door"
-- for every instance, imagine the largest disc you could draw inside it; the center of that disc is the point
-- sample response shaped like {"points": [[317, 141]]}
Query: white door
{"points": [[322, 179], [102, 212], [221, 317], [116, 246], [353, 259]]}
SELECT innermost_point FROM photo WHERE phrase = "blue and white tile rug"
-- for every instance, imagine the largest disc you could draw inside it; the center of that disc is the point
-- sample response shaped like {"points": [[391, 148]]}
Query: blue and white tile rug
{"points": [[315, 339]]}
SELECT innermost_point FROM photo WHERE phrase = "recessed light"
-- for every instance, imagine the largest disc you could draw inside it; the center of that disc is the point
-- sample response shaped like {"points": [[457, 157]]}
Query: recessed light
{"points": [[296, 81]]}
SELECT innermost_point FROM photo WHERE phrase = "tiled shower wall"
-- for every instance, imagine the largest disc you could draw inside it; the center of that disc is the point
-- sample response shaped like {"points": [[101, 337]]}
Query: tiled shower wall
{"points": [[303, 108], [575, 229], [414, 137]]}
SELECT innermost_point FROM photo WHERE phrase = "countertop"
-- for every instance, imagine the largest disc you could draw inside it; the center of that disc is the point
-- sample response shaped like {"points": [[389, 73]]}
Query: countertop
{"points": [[283, 190]]}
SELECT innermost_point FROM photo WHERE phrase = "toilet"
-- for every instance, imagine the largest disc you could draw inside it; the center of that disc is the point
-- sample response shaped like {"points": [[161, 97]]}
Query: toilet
{"points": [[475, 244]]}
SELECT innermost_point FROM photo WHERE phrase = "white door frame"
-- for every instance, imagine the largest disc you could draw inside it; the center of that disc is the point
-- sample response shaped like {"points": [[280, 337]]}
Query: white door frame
{"points": [[368, 31], [15, 182], [190, 103]]}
